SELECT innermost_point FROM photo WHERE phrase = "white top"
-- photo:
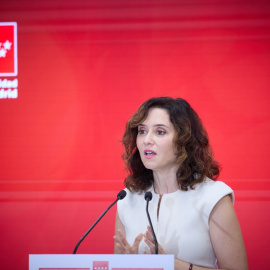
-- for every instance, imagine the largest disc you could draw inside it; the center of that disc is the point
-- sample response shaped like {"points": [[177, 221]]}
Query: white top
{"points": [[182, 227]]}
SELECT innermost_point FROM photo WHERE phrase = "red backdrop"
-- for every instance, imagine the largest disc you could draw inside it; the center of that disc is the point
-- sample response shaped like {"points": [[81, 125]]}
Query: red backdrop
{"points": [[83, 68]]}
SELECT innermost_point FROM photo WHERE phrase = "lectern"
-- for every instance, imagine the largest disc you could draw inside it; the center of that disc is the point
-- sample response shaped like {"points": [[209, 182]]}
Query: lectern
{"points": [[100, 262]]}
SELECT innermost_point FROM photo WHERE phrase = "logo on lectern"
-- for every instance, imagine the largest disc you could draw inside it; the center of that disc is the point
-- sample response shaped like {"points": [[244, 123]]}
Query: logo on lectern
{"points": [[100, 265]]}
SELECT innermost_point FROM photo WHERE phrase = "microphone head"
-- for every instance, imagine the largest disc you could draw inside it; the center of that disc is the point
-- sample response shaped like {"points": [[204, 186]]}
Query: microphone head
{"points": [[121, 195], [148, 196]]}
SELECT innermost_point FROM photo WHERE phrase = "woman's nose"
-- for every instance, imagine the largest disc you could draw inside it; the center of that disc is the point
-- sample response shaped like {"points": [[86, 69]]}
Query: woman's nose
{"points": [[148, 139]]}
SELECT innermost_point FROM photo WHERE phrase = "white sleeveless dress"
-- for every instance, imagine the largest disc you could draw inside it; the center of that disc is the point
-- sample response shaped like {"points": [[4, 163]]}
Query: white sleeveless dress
{"points": [[182, 227]]}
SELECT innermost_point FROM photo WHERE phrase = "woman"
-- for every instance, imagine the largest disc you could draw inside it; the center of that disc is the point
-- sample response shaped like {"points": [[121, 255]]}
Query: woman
{"points": [[167, 152]]}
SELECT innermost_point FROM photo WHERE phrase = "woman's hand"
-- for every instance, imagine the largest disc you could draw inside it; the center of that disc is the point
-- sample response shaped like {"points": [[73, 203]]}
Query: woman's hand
{"points": [[123, 247], [149, 240]]}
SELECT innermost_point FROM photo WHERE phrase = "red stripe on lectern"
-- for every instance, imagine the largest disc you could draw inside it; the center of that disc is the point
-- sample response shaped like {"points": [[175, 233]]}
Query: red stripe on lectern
{"points": [[64, 268], [137, 268]]}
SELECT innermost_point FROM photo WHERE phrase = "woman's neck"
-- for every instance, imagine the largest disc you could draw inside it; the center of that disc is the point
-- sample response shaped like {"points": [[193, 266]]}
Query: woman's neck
{"points": [[165, 182]]}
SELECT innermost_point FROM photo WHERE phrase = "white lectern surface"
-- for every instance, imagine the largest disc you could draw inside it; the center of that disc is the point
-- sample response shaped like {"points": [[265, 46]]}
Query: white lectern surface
{"points": [[101, 262]]}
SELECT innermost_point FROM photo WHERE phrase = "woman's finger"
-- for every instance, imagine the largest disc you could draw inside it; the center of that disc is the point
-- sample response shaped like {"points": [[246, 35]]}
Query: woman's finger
{"points": [[123, 246], [149, 240], [150, 244], [122, 238], [135, 246]]}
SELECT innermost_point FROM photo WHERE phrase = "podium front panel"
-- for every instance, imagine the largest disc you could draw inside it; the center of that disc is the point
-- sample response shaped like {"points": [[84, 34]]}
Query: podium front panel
{"points": [[100, 262]]}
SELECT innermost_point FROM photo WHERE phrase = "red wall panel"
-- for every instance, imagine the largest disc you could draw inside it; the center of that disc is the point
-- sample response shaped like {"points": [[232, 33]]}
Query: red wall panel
{"points": [[83, 68]]}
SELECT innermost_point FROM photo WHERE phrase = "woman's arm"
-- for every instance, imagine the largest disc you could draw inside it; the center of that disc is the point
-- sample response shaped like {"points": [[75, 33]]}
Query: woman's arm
{"points": [[118, 226], [226, 238]]}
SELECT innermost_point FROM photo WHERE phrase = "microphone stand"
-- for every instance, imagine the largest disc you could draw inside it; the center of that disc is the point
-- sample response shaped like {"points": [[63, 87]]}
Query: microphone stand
{"points": [[120, 196], [148, 197]]}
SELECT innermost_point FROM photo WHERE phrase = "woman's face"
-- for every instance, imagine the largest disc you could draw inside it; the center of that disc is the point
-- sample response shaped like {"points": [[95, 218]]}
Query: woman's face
{"points": [[155, 141]]}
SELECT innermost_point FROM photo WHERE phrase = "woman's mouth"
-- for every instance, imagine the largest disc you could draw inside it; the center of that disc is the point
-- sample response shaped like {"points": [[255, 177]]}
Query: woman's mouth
{"points": [[149, 154]]}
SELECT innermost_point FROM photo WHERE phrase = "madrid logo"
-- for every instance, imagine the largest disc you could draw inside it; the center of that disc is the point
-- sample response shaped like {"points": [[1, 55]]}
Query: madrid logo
{"points": [[8, 60], [8, 49], [4, 48]]}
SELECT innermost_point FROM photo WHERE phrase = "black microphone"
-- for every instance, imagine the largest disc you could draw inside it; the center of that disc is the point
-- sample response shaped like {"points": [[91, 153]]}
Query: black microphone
{"points": [[121, 195], [148, 197]]}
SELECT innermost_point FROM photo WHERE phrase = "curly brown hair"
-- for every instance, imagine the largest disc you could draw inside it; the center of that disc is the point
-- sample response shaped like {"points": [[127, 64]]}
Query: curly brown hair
{"points": [[194, 154]]}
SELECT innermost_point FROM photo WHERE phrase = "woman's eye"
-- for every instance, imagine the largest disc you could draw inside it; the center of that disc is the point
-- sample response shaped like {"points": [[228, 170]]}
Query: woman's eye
{"points": [[161, 132], [141, 131]]}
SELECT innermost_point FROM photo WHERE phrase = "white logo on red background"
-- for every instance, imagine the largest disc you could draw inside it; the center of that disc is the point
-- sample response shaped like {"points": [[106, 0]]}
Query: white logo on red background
{"points": [[8, 60], [8, 49], [4, 47], [100, 265]]}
